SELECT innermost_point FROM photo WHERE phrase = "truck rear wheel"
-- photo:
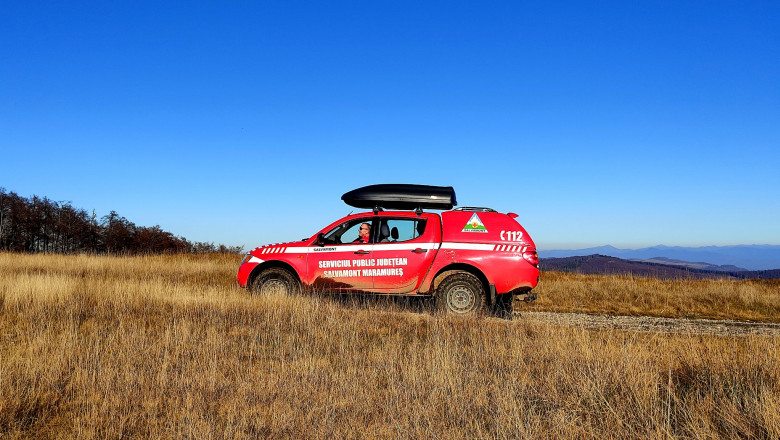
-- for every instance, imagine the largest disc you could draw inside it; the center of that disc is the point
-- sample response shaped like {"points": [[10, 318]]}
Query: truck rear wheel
{"points": [[460, 293], [275, 281]]}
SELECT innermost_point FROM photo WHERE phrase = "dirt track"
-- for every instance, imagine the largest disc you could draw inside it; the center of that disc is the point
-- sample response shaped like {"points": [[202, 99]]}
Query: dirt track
{"points": [[659, 325]]}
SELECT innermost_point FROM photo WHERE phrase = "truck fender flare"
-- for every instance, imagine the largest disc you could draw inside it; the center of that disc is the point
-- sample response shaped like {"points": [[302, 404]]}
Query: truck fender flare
{"points": [[267, 265], [445, 271]]}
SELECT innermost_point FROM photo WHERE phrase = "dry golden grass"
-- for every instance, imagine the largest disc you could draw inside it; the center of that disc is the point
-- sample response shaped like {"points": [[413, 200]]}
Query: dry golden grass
{"points": [[170, 347], [757, 300]]}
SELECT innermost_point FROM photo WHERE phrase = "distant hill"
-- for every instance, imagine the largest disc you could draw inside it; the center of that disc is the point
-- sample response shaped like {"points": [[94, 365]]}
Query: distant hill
{"points": [[695, 265], [606, 265], [751, 257]]}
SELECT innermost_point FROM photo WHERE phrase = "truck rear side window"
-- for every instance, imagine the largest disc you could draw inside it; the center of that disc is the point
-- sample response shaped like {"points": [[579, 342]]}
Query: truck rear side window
{"points": [[396, 230]]}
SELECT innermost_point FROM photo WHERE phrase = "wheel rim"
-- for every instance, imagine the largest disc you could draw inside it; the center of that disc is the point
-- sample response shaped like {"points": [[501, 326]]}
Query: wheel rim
{"points": [[273, 287], [461, 299]]}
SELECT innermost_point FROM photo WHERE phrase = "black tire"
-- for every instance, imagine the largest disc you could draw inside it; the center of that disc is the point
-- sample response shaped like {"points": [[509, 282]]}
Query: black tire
{"points": [[275, 281], [461, 294]]}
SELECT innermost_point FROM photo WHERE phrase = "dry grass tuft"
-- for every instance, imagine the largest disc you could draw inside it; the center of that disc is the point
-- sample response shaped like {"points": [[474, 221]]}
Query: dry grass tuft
{"points": [[162, 347]]}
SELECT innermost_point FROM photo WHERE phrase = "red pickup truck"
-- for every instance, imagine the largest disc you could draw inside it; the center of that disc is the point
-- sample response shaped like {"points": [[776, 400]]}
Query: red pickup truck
{"points": [[467, 259]]}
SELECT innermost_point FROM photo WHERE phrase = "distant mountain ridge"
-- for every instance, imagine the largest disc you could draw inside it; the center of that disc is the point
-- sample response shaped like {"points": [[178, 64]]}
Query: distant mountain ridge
{"points": [[752, 257], [694, 265], [606, 265]]}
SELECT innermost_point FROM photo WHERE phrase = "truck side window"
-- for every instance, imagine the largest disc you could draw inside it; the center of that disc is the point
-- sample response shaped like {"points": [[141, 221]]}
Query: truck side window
{"points": [[395, 230], [346, 232], [420, 227]]}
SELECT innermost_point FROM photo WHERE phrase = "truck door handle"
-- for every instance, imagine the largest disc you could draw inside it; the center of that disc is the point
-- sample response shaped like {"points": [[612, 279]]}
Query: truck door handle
{"points": [[362, 252], [420, 251]]}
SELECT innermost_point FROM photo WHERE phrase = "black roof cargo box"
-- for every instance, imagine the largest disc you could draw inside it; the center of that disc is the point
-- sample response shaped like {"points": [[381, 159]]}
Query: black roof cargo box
{"points": [[401, 196]]}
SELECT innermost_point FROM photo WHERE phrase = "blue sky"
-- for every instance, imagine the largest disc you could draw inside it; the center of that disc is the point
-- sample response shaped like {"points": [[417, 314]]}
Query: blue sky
{"points": [[622, 123]]}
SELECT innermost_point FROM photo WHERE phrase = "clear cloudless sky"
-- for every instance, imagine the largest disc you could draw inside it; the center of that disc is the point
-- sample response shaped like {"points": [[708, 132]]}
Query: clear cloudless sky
{"points": [[611, 122]]}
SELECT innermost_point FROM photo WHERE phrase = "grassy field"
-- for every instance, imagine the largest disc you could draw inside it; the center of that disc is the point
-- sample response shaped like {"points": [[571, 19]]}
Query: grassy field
{"points": [[170, 347], [755, 300]]}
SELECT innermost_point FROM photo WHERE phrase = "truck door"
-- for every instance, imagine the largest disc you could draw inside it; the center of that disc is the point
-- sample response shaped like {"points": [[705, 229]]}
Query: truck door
{"points": [[340, 263], [403, 253]]}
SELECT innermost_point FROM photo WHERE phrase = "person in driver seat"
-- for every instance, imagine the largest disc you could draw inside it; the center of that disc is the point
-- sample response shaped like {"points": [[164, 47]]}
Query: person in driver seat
{"points": [[365, 233]]}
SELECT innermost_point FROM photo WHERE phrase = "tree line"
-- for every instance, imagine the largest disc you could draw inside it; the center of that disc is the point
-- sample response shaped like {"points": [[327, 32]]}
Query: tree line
{"points": [[42, 225]]}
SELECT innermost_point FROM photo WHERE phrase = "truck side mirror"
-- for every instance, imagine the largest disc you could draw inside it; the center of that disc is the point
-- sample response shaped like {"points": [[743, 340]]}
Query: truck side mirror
{"points": [[320, 239]]}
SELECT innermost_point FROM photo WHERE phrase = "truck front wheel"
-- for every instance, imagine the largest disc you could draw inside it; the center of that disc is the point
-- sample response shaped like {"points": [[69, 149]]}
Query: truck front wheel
{"points": [[275, 281], [460, 293]]}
